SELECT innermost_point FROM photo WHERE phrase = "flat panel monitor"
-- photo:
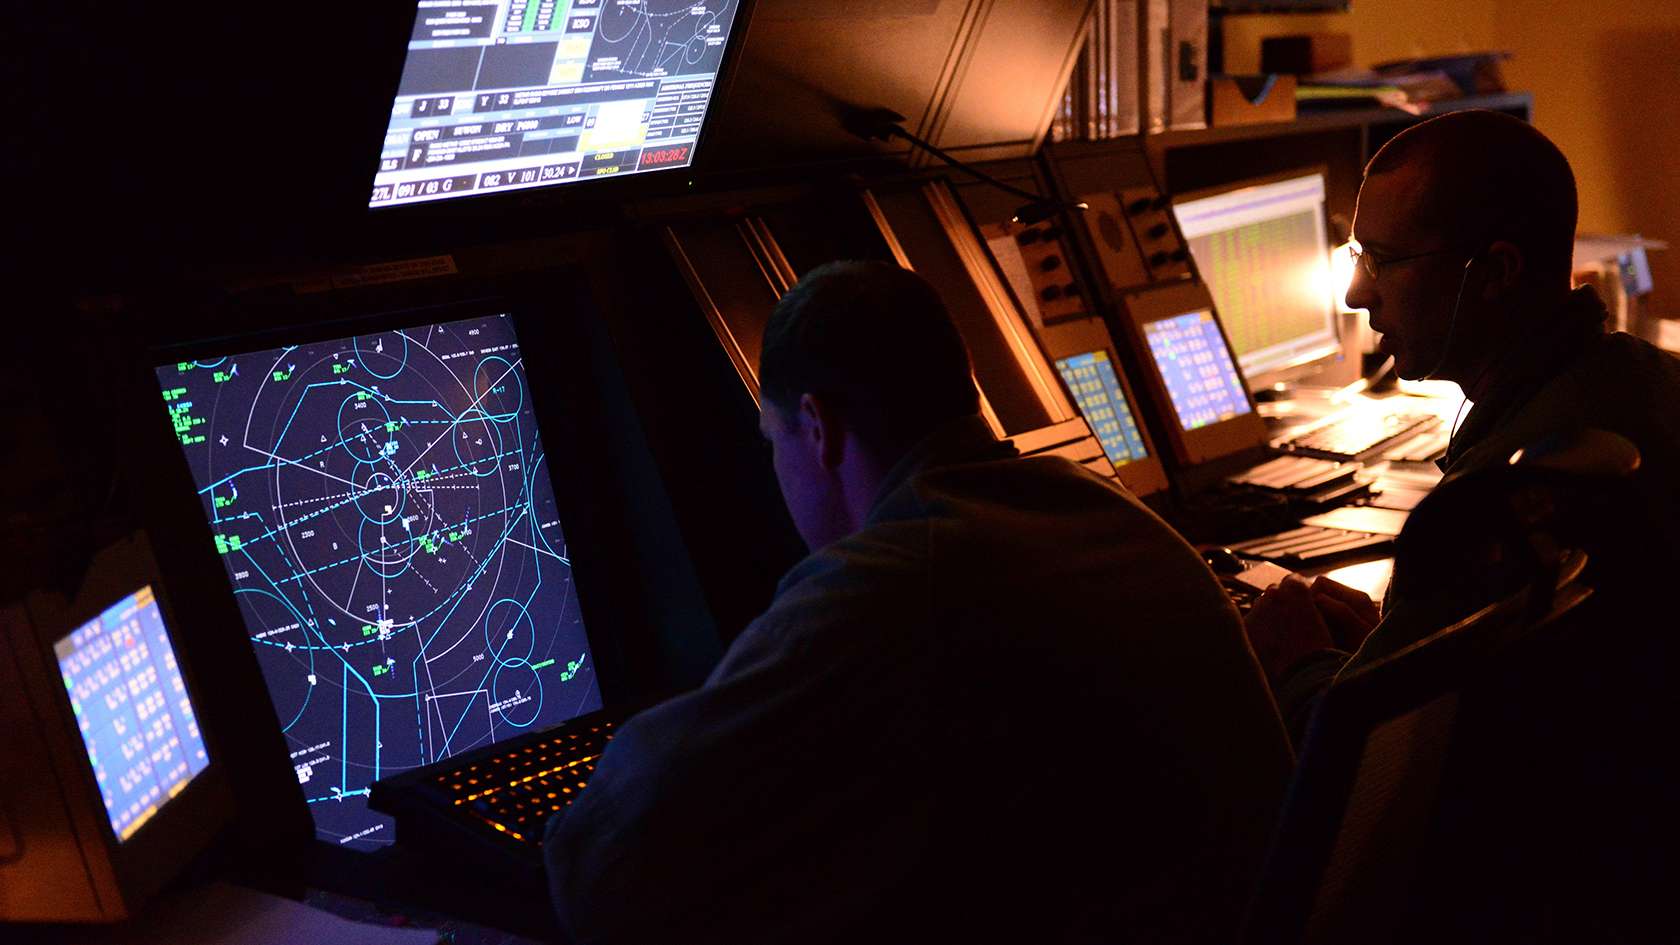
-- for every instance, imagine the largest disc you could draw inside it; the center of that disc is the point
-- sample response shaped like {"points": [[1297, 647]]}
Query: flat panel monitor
{"points": [[110, 787], [1202, 383], [509, 94], [132, 709], [1095, 386], [1263, 249], [1190, 366], [384, 509], [1030, 260]]}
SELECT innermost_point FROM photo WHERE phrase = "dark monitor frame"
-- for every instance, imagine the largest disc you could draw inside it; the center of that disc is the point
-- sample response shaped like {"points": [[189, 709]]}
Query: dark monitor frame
{"points": [[123, 873], [1319, 357], [1237, 434], [1068, 338], [549, 392], [603, 194]]}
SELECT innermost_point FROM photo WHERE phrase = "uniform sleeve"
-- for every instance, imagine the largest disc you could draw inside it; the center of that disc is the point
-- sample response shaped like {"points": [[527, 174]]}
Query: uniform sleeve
{"points": [[1301, 687], [771, 799]]}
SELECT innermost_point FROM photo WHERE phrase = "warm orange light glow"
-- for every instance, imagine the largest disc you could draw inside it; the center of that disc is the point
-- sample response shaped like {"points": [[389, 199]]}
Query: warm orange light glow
{"points": [[540, 774], [1341, 276]]}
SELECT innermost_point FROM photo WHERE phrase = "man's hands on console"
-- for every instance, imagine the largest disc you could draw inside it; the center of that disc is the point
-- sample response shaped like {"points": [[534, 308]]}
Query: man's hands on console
{"points": [[1294, 618]]}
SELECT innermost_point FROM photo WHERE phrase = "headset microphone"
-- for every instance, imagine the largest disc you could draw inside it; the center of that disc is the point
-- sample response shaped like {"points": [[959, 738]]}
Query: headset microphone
{"points": [[1452, 324]]}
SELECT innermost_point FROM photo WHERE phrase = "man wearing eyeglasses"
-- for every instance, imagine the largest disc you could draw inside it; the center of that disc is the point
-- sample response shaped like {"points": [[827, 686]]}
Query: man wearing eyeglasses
{"points": [[1465, 233], [1465, 229]]}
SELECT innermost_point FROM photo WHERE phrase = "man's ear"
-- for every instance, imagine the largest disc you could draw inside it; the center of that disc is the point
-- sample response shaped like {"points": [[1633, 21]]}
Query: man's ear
{"points": [[1502, 266], [825, 430]]}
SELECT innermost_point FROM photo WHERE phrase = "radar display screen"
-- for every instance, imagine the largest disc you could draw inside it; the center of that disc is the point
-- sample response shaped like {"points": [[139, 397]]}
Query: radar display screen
{"points": [[133, 710], [509, 94], [383, 507]]}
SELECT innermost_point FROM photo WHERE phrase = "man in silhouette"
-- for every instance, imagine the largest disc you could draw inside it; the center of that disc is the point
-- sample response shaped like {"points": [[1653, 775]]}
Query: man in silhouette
{"points": [[999, 701], [1465, 227]]}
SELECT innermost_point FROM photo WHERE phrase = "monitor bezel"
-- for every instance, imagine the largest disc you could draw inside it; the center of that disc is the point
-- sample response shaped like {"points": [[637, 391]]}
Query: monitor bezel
{"points": [[607, 189], [1072, 337], [536, 330], [1216, 440], [1321, 356], [129, 871]]}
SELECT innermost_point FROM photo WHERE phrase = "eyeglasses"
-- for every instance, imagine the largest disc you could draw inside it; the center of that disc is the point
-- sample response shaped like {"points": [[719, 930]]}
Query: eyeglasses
{"points": [[1372, 263]]}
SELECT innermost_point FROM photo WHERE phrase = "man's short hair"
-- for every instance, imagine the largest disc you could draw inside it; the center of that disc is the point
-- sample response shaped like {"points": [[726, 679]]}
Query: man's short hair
{"points": [[876, 341], [1491, 176]]}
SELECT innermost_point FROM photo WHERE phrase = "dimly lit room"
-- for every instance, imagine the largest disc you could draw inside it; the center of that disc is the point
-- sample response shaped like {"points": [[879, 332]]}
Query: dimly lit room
{"points": [[500, 472]]}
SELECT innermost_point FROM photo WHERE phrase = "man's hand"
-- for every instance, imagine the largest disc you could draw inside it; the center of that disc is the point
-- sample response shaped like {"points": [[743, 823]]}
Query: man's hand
{"points": [[1295, 618], [1283, 626], [1349, 613]]}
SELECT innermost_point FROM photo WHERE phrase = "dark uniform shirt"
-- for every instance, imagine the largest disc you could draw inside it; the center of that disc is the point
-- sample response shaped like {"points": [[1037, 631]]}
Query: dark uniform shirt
{"points": [[1559, 818], [1014, 706], [1568, 374]]}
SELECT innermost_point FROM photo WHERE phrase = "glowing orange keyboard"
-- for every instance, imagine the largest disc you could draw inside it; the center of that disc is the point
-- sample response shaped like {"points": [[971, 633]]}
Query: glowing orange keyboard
{"points": [[517, 792], [501, 797]]}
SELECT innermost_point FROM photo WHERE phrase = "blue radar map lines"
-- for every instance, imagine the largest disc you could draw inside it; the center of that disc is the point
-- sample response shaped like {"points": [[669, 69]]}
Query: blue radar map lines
{"points": [[384, 509], [655, 38]]}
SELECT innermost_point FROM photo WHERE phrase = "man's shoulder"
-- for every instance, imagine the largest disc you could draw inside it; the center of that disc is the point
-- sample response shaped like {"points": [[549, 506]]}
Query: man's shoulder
{"points": [[944, 512], [1616, 385], [1608, 385], [879, 566], [1023, 485], [883, 554], [1629, 358]]}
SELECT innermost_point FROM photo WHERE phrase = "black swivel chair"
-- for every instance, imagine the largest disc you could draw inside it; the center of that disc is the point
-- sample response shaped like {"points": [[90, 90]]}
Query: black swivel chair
{"points": [[1362, 838]]}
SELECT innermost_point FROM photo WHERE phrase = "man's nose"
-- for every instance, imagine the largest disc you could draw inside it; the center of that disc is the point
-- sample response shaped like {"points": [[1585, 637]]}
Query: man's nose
{"points": [[1361, 290]]}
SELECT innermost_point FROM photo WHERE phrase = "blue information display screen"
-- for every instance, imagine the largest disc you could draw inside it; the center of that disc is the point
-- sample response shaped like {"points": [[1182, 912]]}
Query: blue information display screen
{"points": [[1196, 365], [1096, 388], [384, 509], [133, 709]]}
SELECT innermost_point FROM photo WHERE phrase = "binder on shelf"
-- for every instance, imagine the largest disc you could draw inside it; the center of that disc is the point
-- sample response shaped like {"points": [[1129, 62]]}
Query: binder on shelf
{"points": [[1173, 56]]}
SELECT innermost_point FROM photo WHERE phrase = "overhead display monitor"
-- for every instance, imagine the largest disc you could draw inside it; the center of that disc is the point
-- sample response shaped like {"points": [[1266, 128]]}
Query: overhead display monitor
{"points": [[1263, 249], [507, 94], [383, 507], [133, 710]]}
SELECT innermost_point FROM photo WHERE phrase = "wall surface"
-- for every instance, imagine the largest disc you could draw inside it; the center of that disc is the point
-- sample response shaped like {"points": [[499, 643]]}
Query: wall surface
{"points": [[1606, 84], [1382, 30]]}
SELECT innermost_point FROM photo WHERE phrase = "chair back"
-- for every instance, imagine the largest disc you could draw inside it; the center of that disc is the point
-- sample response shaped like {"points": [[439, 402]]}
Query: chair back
{"points": [[1358, 825]]}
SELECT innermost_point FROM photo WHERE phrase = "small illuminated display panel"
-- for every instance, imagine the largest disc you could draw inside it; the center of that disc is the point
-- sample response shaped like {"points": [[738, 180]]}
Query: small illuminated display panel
{"points": [[383, 507], [1196, 366], [509, 94], [1096, 388], [133, 709]]}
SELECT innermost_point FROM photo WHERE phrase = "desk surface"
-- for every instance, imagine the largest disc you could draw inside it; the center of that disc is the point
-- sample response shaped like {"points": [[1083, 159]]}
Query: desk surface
{"points": [[220, 913]]}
